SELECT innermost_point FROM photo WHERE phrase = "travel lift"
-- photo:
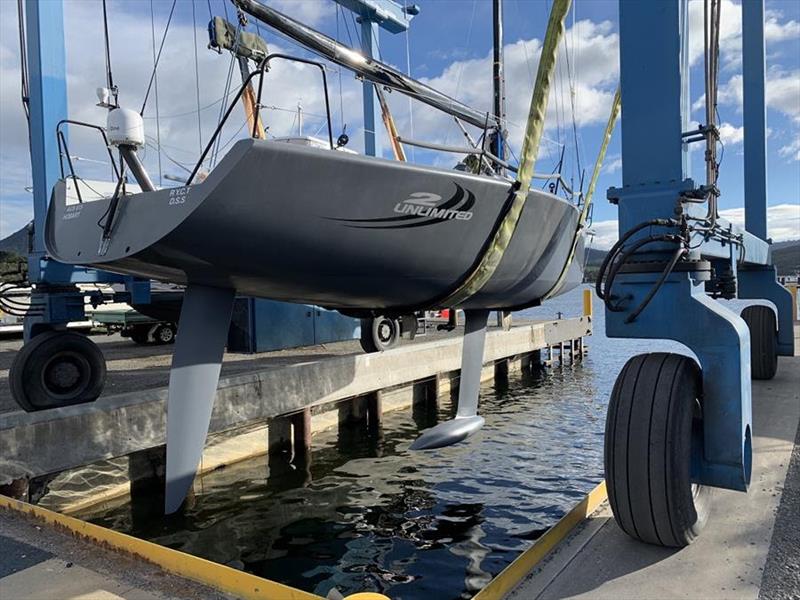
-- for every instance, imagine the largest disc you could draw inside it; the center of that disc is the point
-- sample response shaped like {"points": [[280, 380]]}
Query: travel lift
{"points": [[56, 366], [677, 426]]}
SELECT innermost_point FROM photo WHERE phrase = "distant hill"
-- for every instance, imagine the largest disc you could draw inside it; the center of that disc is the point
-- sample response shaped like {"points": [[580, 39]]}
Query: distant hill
{"points": [[785, 256], [16, 243]]}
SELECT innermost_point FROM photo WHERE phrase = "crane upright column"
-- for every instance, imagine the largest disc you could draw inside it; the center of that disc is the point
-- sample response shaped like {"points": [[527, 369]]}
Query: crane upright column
{"points": [[48, 105], [754, 118], [372, 117]]}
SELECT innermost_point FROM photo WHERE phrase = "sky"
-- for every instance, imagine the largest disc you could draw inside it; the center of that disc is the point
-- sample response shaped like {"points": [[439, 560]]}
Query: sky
{"points": [[448, 47]]}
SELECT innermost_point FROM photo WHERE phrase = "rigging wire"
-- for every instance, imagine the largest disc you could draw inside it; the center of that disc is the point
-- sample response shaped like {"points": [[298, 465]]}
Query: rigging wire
{"points": [[341, 95], [193, 112], [197, 79], [23, 71], [572, 95], [461, 70], [109, 75], [408, 72], [158, 57], [154, 77], [215, 152]]}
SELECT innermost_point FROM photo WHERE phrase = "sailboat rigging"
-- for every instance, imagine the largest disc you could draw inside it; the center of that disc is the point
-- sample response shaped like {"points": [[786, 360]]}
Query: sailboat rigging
{"points": [[363, 235]]}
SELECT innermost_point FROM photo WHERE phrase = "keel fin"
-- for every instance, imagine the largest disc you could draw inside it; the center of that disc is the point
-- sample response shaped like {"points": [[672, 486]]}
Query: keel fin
{"points": [[466, 421], [202, 332]]}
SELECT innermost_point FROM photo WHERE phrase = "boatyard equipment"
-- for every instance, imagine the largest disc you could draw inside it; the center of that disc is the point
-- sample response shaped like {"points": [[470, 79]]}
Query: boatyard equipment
{"points": [[377, 237], [676, 426], [62, 367]]}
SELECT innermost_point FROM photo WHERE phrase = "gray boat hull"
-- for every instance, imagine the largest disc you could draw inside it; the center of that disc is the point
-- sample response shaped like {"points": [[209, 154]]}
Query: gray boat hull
{"points": [[314, 226]]}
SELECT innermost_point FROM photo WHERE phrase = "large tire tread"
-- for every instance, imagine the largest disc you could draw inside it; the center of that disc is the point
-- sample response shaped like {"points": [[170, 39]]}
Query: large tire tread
{"points": [[763, 328], [648, 450]]}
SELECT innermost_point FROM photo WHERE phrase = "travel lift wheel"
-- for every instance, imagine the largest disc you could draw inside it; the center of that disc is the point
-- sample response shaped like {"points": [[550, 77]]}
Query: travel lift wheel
{"points": [[379, 333], [57, 368], [763, 341], [654, 417]]}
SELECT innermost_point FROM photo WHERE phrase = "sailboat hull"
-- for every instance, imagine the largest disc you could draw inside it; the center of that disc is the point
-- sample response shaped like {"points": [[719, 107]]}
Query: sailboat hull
{"points": [[306, 225]]}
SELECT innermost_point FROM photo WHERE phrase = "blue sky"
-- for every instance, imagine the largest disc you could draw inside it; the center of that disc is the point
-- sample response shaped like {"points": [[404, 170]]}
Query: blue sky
{"points": [[448, 46]]}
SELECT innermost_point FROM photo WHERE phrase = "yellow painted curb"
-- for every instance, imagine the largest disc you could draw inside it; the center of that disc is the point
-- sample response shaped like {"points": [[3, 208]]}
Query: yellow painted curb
{"points": [[225, 579], [517, 570]]}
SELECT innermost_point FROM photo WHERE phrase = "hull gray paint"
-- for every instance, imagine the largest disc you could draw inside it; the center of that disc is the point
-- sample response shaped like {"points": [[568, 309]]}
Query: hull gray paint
{"points": [[313, 226]]}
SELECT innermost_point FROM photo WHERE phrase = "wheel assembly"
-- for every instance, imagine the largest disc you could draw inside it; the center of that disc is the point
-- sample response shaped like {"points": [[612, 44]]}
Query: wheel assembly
{"points": [[654, 419], [140, 334], [164, 334], [57, 368], [763, 341], [379, 333]]}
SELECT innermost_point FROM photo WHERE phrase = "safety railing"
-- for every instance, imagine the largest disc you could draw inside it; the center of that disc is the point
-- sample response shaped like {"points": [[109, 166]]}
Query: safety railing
{"points": [[262, 69]]}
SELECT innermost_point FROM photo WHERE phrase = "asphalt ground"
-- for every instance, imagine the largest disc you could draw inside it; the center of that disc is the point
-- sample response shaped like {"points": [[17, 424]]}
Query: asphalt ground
{"points": [[781, 579]]}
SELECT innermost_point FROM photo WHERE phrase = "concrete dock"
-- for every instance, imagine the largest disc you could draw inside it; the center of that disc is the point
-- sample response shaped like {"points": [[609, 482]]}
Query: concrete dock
{"points": [[749, 549], [41, 563], [295, 392]]}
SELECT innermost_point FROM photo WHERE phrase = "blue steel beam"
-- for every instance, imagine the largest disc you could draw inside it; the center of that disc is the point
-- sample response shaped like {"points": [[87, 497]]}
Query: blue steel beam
{"points": [[654, 180], [391, 16], [374, 15], [44, 20], [754, 118], [48, 106]]}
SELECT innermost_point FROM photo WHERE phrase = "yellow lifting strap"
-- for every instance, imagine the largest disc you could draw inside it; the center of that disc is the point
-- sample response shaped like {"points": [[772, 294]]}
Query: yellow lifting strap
{"points": [[530, 149], [601, 155]]}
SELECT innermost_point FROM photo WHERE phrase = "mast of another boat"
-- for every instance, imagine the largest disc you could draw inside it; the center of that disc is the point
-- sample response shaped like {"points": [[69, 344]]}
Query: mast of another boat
{"points": [[499, 85]]}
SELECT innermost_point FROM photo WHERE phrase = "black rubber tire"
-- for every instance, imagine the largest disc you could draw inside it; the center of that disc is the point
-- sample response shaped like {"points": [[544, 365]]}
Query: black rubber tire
{"points": [[55, 369], [140, 334], [164, 334], [763, 328], [653, 415], [379, 333]]}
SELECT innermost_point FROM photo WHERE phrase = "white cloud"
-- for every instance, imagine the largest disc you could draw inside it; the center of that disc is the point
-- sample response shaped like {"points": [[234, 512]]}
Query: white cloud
{"points": [[783, 220], [783, 224], [775, 31], [730, 134], [605, 234], [730, 44], [782, 90], [310, 12], [791, 150], [594, 55], [613, 164]]}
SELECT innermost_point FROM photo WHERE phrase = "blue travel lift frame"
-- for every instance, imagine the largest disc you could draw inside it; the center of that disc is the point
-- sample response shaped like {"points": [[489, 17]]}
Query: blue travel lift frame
{"points": [[655, 177], [62, 301], [372, 15]]}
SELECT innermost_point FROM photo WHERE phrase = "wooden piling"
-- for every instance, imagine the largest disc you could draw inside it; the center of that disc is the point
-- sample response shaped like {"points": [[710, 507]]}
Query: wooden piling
{"points": [[279, 435]]}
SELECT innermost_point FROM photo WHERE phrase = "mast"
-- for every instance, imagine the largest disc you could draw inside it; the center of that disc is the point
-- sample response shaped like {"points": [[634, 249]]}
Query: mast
{"points": [[498, 80], [370, 69]]}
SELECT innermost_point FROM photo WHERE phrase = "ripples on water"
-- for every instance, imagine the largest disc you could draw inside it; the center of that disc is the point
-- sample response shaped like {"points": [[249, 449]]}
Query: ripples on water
{"points": [[367, 514]]}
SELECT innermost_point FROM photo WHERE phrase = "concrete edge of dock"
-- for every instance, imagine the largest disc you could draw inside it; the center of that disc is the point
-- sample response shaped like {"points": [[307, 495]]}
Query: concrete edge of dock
{"points": [[220, 577], [521, 567]]}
